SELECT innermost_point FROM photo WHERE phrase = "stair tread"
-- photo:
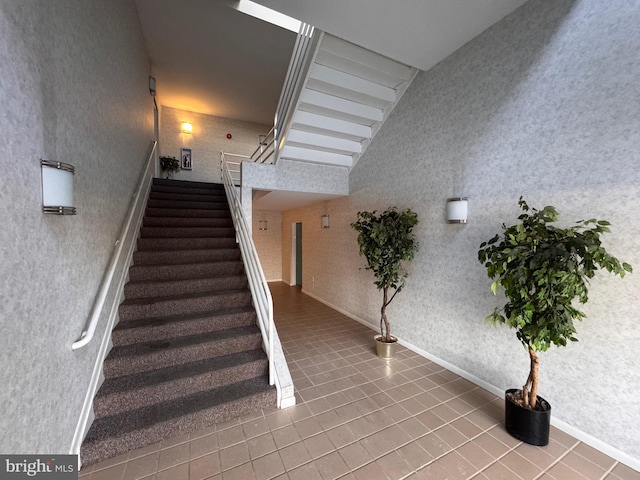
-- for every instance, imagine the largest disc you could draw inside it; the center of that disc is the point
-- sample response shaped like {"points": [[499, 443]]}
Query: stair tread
{"points": [[182, 296], [159, 321], [182, 280], [144, 348], [186, 212], [126, 422], [178, 244], [187, 232], [185, 257], [187, 184], [175, 265], [175, 372]]}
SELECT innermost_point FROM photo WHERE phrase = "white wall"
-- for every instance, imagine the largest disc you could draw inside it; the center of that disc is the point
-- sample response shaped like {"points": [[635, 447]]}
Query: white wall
{"points": [[545, 105], [208, 139], [73, 88]]}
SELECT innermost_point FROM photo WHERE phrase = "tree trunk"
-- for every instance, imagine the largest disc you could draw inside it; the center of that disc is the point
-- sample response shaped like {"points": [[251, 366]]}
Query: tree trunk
{"points": [[530, 389], [383, 316]]}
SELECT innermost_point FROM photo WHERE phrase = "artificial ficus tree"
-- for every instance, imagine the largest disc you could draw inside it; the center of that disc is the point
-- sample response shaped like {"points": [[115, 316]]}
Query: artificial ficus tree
{"points": [[544, 270], [387, 240]]}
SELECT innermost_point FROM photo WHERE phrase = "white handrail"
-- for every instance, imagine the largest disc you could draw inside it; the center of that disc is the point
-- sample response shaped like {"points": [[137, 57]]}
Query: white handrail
{"points": [[265, 149], [87, 333], [304, 52], [261, 294]]}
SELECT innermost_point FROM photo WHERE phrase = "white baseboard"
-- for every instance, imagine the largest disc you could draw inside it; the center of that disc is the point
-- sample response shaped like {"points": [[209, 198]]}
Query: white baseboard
{"points": [[590, 440]]}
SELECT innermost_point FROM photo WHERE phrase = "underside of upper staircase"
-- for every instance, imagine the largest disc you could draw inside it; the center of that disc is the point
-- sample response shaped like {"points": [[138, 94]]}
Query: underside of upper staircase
{"points": [[186, 352], [348, 93]]}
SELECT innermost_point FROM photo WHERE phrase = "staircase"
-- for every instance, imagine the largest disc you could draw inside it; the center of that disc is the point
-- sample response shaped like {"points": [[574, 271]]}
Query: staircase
{"points": [[348, 93], [186, 352]]}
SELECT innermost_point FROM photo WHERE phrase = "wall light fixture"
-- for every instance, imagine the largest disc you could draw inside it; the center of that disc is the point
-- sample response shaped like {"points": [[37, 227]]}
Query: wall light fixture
{"points": [[186, 127], [457, 210], [324, 221], [57, 187]]}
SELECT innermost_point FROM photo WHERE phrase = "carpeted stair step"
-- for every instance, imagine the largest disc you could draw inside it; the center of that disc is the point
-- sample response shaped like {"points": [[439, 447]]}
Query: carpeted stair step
{"points": [[158, 288], [187, 195], [219, 205], [114, 435], [185, 271], [187, 232], [182, 244], [192, 190], [159, 328], [167, 182], [174, 257], [187, 222], [136, 309], [186, 213], [134, 391], [139, 357]]}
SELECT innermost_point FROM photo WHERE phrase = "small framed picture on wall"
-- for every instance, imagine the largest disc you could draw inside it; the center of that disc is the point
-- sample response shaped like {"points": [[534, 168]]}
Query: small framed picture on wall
{"points": [[185, 159]]}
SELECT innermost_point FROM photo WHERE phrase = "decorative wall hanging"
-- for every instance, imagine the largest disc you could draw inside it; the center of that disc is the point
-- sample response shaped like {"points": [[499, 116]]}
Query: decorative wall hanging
{"points": [[185, 159]]}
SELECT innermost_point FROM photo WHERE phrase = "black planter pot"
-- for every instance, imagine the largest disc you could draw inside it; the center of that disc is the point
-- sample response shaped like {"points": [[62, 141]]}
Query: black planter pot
{"points": [[530, 426]]}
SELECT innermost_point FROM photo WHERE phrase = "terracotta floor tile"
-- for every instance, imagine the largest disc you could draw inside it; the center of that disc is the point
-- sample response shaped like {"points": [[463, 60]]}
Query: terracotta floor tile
{"points": [[361, 418]]}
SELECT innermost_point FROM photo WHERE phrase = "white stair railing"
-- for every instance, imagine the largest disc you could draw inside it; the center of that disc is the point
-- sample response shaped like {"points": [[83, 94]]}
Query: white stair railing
{"points": [[265, 150], [257, 281], [263, 302], [132, 223], [303, 54]]}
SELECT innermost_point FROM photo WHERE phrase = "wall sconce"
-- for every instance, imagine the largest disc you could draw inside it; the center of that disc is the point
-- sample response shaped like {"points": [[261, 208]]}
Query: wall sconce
{"points": [[186, 127], [457, 210], [324, 221], [152, 86], [57, 188], [262, 224]]}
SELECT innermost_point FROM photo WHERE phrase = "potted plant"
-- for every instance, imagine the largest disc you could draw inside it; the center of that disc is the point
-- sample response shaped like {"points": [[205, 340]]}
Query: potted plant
{"points": [[386, 240], [169, 165], [543, 270]]}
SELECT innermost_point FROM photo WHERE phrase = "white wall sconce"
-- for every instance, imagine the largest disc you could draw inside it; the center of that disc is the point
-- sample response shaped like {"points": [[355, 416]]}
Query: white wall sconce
{"points": [[186, 127], [262, 224], [57, 188], [324, 221], [152, 86], [457, 210]]}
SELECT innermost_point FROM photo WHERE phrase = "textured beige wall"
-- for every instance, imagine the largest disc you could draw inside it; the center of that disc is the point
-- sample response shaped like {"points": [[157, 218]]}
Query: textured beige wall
{"points": [[208, 139], [545, 105], [73, 88]]}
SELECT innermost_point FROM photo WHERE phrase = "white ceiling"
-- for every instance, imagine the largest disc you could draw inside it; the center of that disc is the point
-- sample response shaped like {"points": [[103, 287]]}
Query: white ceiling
{"points": [[419, 33], [209, 58]]}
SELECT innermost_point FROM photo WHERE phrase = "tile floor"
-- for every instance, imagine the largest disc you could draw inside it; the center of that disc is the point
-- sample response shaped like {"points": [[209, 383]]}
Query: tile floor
{"points": [[361, 418]]}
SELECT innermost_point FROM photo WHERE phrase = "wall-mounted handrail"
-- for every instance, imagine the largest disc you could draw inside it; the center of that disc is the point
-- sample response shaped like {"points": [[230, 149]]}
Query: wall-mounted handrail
{"points": [[260, 292], [89, 331]]}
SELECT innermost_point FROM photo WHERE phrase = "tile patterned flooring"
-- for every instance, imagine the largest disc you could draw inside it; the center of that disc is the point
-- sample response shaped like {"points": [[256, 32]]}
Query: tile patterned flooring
{"points": [[361, 418]]}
